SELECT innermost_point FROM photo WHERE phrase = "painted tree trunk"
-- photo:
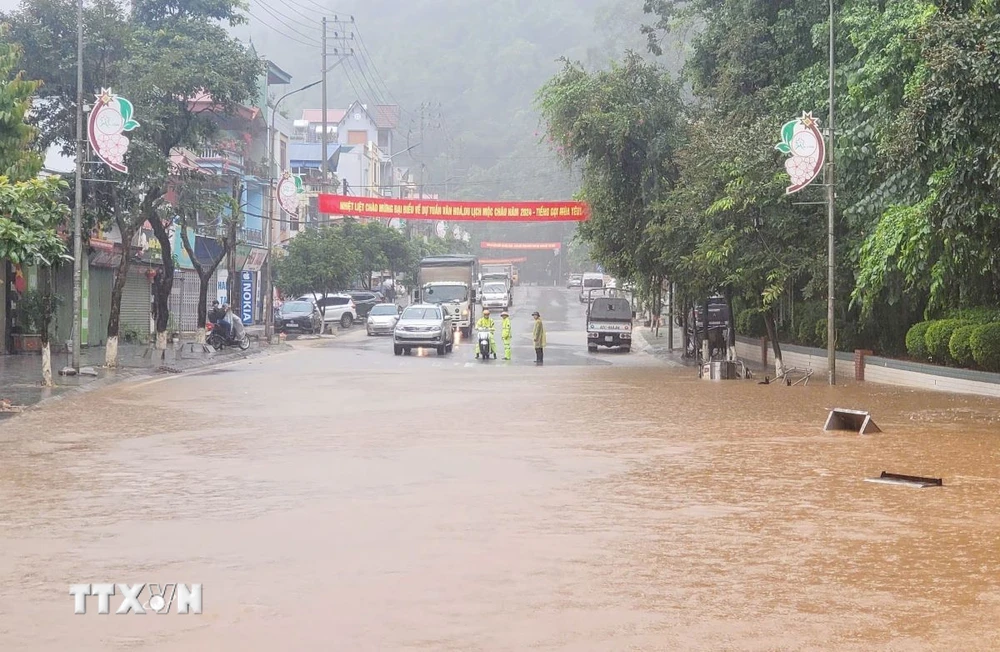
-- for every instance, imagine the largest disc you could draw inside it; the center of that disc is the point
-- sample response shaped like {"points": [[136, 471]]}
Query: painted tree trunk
{"points": [[772, 334], [111, 352], [117, 291], [200, 337], [47, 365]]}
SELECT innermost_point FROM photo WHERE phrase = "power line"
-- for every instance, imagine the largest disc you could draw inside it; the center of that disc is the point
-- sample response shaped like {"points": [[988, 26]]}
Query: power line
{"points": [[298, 24], [311, 44]]}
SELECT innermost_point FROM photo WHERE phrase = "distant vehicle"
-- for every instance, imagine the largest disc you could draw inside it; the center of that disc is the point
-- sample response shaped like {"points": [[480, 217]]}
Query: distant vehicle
{"points": [[301, 316], [335, 308], [450, 281], [423, 325], [609, 321], [590, 281], [719, 322], [382, 319], [575, 281], [364, 301], [496, 294]]}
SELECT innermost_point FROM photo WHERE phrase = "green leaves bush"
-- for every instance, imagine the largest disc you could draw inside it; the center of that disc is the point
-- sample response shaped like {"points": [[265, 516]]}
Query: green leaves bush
{"points": [[916, 347], [750, 323], [985, 345], [979, 315], [938, 338], [959, 346]]}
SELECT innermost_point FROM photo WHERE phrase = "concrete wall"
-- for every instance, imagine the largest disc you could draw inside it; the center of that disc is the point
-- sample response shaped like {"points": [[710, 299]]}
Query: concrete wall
{"points": [[878, 370]]}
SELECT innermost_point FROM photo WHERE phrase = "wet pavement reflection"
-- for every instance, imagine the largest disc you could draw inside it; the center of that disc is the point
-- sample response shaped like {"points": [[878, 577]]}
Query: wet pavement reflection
{"points": [[344, 498]]}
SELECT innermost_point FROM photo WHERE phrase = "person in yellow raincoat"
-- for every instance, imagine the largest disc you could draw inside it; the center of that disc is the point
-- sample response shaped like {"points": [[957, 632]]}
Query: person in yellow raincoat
{"points": [[486, 323], [505, 333]]}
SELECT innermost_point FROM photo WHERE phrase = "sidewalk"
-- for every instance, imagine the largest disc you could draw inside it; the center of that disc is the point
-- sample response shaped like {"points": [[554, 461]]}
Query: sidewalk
{"points": [[658, 345], [21, 375]]}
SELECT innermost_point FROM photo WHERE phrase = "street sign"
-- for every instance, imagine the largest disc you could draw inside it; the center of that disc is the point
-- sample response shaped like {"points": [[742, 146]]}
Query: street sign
{"points": [[802, 140]]}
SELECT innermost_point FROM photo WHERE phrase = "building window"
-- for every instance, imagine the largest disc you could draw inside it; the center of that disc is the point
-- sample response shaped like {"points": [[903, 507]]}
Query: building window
{"points": [[357, 137], [293, 223], [383, 139]]}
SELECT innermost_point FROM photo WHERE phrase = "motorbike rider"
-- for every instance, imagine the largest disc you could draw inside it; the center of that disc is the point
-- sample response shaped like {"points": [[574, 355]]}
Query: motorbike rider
{"points": [[218, 315], [505, 333], [486, 323]]}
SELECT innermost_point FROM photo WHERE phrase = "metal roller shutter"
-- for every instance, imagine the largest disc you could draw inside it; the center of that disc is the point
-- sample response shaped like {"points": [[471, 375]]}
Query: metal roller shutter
{"points": [[136, 303]]}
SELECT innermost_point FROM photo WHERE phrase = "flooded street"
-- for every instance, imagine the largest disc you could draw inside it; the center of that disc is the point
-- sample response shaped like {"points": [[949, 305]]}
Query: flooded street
{"points": [[344, 498]]}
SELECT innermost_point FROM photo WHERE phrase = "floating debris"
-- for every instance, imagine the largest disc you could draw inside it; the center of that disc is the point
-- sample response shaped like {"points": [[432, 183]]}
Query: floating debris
{"points": [[910, 480], [854, 420]]}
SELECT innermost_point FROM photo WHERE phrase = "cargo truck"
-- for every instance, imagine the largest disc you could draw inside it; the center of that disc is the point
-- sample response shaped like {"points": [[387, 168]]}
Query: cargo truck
{"points": [[450, 281]]}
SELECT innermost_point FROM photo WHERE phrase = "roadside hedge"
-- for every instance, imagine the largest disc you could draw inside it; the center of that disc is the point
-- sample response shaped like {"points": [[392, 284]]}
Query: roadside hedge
{"points": [[750, 323], [959, 346], [980, 315], [938, 338], [985, 345], [916, 347]]}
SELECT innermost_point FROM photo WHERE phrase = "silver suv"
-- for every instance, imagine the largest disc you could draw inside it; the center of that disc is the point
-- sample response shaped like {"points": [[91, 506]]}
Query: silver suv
{"points": [[336, 308], [423, 326]]}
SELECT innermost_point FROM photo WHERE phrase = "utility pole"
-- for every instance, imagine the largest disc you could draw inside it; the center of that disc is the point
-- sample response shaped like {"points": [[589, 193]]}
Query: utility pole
{"points": [[81, 152], [323, 164], [831, 327]]}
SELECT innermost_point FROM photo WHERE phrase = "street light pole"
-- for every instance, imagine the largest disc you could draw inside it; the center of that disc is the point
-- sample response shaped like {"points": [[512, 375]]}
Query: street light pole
{"points": [[81, 152], [831, 327], [269, 157]]}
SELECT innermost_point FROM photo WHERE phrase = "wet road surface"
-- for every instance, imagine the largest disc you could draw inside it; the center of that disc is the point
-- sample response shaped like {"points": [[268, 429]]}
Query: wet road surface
{"points": [[341, 498]]}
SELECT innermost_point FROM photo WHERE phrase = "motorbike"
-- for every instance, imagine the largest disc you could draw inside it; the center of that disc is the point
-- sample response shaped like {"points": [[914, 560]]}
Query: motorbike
{"points": [[485, 338], [237, 337]]}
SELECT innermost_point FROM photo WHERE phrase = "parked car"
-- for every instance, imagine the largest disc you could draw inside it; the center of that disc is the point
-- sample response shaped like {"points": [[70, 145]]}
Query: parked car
{"points": [[382, 319], [423, 325], [364, 301], [575, 281], [336, 308], [301, 316]]}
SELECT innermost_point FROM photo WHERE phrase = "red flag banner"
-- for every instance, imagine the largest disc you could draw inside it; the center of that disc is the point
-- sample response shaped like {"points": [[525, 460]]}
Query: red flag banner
{"points": [[454, 211], [502, 261], [522, 246]]}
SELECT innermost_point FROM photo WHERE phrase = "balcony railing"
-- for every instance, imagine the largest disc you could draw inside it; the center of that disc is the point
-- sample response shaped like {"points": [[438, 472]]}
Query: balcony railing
{"points": [[252, 236], [229, 158]]}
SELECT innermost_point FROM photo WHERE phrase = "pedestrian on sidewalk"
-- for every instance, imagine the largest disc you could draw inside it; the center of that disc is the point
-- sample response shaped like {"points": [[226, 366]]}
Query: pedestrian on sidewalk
{"points": [[538, 337], [505, 333]]}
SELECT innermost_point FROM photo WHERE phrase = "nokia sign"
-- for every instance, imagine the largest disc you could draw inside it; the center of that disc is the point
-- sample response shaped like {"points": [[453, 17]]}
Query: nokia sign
{"points": [[246, 297]]}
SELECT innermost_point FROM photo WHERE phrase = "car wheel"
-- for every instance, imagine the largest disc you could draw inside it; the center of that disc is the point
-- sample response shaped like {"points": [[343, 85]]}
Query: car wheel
{"points": [[398, 350], [591, 348], [627, 349], [346, 320], [368, 330]]}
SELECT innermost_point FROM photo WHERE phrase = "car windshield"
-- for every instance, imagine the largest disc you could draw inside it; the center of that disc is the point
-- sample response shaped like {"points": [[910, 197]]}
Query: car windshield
{"points": [[445, 293], [421, 313], [297, 306], [495, 288], [593, 283], [382, 311], [610, 309]]}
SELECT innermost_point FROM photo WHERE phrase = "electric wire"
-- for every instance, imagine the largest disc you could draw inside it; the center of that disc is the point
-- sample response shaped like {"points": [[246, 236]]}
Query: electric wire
{"points": [[313, 44], [296, 29]]}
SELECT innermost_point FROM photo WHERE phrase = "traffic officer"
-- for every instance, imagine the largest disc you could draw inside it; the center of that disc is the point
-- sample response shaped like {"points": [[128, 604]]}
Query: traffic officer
{"points": [[486, 323], [505, 333]]}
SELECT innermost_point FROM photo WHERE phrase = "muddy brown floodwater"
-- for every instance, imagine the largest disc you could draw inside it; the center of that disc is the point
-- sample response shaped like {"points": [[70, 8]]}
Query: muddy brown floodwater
{"points": [[416, 507]]}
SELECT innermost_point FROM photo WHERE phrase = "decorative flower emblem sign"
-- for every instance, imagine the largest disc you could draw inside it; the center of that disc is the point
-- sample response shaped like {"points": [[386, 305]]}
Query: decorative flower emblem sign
{"points": [[110, 118], [289, 189], [802, 139]]}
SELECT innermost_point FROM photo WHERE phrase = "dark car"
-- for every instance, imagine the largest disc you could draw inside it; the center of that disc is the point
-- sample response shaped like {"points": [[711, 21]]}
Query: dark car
{"points": [[301, 316], [364, 301]]}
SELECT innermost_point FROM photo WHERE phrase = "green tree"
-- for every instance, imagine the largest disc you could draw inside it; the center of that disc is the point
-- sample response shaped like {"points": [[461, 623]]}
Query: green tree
{"points": [[160, 55], [31, 209], [317, 260]]}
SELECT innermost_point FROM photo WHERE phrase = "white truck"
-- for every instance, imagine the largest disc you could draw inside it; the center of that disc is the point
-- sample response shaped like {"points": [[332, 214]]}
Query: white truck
{"points": [[450, 281], [489, 276]]}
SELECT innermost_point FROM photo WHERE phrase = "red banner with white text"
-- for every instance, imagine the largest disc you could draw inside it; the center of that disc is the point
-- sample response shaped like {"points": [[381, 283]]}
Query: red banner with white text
{"points": [[522, 246], [502, 261], [454, 211]]}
